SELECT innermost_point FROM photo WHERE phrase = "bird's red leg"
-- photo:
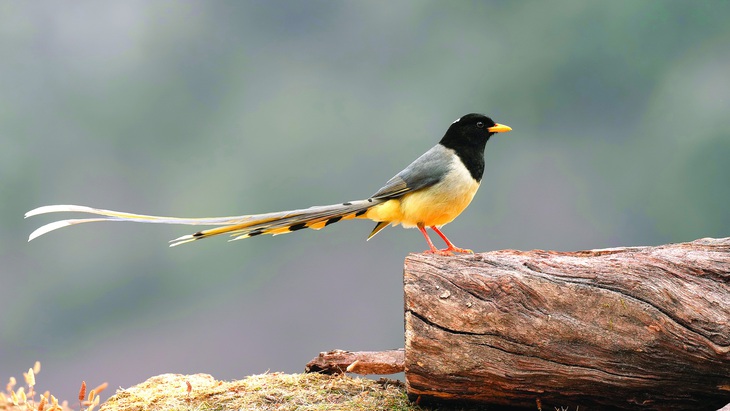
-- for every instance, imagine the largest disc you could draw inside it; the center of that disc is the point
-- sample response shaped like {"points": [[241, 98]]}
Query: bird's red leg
{"points": [[432, 249], [449, 246]]}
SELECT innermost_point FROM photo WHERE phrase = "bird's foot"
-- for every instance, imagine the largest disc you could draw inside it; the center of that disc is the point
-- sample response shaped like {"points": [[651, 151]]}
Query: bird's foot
{"points": [[436, 251], [459, 250], [449, 251]]}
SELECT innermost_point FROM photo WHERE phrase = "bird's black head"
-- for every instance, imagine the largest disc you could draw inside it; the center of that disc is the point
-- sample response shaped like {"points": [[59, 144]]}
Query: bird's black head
{"points": [[467, 136], [472, 130]]}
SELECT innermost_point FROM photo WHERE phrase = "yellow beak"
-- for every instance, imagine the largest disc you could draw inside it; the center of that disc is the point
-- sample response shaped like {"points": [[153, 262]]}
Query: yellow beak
{"points": [[499, 128]]}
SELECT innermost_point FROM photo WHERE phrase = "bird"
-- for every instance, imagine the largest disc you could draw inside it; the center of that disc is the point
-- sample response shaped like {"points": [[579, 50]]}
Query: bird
{"points": [[430, 193]]}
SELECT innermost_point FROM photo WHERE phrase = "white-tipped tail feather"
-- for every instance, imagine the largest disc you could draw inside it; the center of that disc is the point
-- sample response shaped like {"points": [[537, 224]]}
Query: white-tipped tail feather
{"points": [[238, 227]]}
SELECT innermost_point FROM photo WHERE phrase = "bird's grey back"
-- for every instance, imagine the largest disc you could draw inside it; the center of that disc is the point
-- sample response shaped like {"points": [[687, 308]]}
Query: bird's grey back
{"points": [[425, 171]]}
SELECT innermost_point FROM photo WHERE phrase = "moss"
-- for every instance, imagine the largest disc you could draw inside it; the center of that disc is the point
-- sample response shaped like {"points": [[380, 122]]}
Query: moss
{"points": [[273, 391], [201, 392]]}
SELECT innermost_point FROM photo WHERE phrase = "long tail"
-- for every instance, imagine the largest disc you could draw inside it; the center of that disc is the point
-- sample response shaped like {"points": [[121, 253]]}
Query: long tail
{"points": [[238, 227]]}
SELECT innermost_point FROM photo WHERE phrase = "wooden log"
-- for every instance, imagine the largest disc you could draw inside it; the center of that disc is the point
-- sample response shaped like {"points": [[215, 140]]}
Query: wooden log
{"points": [[622, 328], [360, 362]]}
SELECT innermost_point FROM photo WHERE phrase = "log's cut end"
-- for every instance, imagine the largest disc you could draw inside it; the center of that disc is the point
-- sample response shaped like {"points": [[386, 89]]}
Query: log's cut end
{"points": [[621, 328]]}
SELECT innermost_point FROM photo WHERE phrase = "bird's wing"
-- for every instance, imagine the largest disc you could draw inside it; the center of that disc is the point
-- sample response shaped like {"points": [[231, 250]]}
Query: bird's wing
{"points": [[425, 171]]}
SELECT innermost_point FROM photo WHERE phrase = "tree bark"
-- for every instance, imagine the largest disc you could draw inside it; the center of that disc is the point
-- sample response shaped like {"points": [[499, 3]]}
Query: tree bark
{"points": [[621, 328]]}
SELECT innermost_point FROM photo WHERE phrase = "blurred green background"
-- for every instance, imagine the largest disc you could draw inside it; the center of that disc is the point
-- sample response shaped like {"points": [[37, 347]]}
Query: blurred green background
{"points": [[621, 118]]}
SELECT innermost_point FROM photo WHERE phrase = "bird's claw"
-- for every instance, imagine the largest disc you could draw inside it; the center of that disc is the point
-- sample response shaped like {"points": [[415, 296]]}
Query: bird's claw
{"points": [[449, 251], [444, 252]]}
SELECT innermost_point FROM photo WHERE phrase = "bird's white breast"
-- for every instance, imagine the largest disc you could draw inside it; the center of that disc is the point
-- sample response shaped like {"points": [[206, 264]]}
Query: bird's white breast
{"points": [[443, 202]]}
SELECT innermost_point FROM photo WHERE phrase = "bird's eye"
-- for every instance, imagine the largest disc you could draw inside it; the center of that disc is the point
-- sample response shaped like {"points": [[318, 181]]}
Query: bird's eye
{"points": [[480, 124]]}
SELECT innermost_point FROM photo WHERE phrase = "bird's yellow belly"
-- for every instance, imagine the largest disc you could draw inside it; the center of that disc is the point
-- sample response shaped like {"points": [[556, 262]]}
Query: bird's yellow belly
{"points": [[434, 206]]}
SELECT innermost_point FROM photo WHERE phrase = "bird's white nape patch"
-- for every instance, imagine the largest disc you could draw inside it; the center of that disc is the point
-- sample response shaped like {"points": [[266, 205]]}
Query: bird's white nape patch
{"points": [[456, 121]]}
